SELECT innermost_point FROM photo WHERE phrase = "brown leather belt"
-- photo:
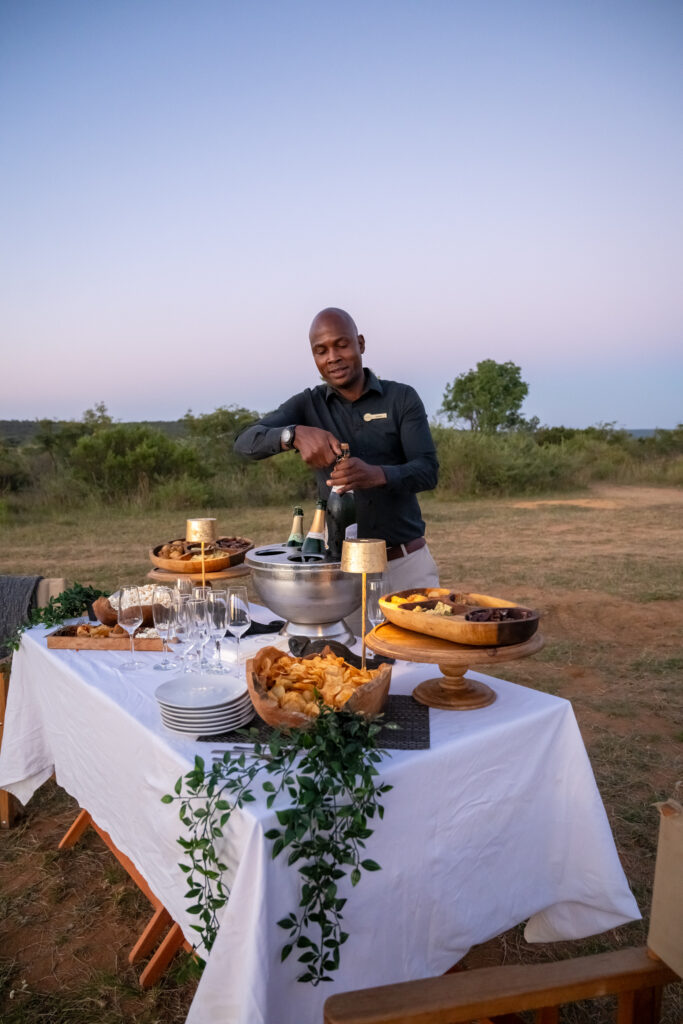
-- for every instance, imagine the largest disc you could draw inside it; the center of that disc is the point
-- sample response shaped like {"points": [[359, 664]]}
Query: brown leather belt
{"points": [[400, 550]]}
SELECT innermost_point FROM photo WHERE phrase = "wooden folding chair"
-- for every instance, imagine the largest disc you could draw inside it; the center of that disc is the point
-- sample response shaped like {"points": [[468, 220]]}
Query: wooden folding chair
{"points": [[160, 922], [501, 993], [635, 976]]}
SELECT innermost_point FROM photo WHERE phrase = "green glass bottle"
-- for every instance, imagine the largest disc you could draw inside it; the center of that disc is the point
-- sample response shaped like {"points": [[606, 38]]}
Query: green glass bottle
{"points": [[313, 548], [341, 512], [296, 536]]}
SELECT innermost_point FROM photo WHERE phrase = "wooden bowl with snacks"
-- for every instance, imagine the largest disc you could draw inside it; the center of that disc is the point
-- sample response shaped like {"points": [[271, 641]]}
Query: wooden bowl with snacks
{"points": [[178, 556], [281, 686], [462, 618]]}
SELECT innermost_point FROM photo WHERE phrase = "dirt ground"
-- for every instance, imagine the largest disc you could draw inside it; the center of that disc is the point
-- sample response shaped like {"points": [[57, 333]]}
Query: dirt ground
{"points": [[605, 569]]}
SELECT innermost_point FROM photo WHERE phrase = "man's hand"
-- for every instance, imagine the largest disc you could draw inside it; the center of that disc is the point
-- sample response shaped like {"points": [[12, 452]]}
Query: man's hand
{"points": [[356, 475], [318, 448]]}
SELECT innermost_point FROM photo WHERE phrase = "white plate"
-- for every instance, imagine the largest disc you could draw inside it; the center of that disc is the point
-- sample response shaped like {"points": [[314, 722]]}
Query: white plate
{"points": [[202, 723], [193, 730], [221, 709], [198, 691]]}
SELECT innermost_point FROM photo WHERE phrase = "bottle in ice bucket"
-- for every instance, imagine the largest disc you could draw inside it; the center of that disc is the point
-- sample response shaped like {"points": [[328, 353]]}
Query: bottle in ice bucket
{"points": [[341, 512], [313, 548], [296, 536]]}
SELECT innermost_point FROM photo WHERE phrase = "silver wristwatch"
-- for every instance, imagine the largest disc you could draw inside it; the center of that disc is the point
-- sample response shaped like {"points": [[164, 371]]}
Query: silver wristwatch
{"points": [[287, 437]]}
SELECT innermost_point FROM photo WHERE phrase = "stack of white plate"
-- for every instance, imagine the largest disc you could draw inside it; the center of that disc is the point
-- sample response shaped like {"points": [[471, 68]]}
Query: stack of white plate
{"points": [[200, 704]]}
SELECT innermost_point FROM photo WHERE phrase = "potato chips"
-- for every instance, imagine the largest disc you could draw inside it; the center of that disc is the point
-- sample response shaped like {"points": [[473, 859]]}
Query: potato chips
{"points": [[295, 684]]}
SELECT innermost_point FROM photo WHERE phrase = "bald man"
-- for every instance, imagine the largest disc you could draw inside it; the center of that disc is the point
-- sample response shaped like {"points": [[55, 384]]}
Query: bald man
{"points": [[392, 451]]}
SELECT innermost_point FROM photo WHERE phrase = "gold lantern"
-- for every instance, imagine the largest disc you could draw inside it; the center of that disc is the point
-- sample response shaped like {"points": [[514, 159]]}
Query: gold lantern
{"points": [[204, 532], [363, 555]]}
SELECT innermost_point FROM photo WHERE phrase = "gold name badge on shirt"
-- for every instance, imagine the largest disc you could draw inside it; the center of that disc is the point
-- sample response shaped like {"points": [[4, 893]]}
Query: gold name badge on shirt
{"points": [[374, 416]]}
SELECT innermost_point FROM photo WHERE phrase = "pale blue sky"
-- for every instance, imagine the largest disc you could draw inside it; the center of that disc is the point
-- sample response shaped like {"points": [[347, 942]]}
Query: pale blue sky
{"points": [[185, 184]]}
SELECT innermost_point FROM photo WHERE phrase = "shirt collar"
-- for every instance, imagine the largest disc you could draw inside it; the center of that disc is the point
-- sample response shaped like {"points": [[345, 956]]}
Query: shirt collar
{"points": [[371, 384]]}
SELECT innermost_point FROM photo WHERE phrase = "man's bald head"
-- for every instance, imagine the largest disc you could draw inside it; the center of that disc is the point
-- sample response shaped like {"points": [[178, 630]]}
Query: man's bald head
{"points": [[338, 348], [333, 317]]}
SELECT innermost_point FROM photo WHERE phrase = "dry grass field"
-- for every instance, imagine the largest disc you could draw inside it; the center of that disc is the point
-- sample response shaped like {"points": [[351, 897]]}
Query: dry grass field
{"points": [[606, 571]]}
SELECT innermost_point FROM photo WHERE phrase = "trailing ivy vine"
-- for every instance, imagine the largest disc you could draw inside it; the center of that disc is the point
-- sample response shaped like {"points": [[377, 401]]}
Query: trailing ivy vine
{"points": [[329, 775]]}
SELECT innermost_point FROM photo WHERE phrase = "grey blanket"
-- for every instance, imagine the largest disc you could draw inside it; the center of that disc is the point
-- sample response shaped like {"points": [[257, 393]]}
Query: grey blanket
{"points": [[16, 597]]}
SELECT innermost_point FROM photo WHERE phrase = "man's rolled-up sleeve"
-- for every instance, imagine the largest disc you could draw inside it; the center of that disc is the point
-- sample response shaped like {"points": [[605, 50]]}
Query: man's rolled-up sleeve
{"points": [[262, 439], [420, 471]]}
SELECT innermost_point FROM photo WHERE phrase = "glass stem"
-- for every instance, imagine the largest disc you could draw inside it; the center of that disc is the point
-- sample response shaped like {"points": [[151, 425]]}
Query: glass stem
{"points": [[238, 655], [132, 648]]}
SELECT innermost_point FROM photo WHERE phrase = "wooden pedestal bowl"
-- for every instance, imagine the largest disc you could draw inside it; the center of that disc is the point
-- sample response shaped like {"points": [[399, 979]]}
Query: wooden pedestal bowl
{"points": [[369, 699], [222, 559]]}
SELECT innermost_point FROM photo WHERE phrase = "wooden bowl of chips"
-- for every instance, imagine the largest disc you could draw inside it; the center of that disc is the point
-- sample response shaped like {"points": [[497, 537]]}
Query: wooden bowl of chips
{"points": [[284, 689]]}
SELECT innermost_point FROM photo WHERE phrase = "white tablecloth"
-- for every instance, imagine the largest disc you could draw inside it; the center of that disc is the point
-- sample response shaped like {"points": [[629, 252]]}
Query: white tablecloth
{"points": [[500, 821]]}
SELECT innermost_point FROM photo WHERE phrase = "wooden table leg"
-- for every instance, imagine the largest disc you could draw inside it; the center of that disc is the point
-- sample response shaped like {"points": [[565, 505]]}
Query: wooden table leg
{"points": [[75, 831], [9, 805], [160, 921], [162, 958]]}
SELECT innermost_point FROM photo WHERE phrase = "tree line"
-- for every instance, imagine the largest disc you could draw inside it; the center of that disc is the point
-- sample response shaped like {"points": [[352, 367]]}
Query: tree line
{"points": [[192, 465]]}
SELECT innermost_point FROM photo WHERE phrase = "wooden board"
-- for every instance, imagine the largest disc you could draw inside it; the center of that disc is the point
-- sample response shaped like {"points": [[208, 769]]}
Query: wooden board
{"points": [[450, 691], [456, 628], [390, 640], [63, 639], [169, 578]]}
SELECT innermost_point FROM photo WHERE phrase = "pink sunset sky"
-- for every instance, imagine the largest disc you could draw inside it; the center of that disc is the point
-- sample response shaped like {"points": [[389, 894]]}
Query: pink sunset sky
{"points": [[185, 185]]}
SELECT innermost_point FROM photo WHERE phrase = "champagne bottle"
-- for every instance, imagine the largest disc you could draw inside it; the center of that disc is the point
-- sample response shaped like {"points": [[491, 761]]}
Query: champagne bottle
{"points": [[296, 536], [341, 512], [313, 548]]}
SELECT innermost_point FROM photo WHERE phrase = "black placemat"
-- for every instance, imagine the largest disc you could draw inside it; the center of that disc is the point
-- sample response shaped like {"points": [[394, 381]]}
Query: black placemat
{"points": [[413, 734]]}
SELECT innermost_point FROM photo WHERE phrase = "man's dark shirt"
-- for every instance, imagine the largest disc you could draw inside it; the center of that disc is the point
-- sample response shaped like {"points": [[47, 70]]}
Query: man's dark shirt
{"points": [[395, 437]]}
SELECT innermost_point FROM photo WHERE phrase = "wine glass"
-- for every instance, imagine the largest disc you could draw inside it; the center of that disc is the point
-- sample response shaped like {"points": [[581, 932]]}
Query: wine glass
{"points": [[239, 618], [374, 590], [199, 630], [217, 614], [181, 624], [162, 613], [200, 593], [184, 586], [129, 614]]}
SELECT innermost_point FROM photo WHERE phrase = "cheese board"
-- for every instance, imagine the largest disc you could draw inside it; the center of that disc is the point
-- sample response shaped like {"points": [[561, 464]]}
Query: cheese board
{"points": [[65, 639], [461, 617]]}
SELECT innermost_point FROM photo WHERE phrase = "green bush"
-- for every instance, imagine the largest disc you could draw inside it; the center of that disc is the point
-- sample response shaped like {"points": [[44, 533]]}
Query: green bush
{"points": [[124, 461], [473, 464]]}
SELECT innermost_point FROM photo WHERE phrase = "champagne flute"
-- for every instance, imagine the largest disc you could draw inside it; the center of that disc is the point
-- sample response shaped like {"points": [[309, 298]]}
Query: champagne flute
{"points": [[217, 614], [239, 618], [375, 589], [200, 593], [129, 614], [184, 586], [181, 625], [162, 613], [199, 629]]}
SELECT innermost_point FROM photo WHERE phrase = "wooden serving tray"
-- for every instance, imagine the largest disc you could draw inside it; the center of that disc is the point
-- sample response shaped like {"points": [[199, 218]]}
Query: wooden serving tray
{"points": [[456, 628], [65, 639], [168, 578]]}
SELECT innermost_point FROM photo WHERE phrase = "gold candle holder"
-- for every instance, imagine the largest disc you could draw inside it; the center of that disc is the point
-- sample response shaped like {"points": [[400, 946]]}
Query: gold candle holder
{"points": [[204, 532], [363, 555]]}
